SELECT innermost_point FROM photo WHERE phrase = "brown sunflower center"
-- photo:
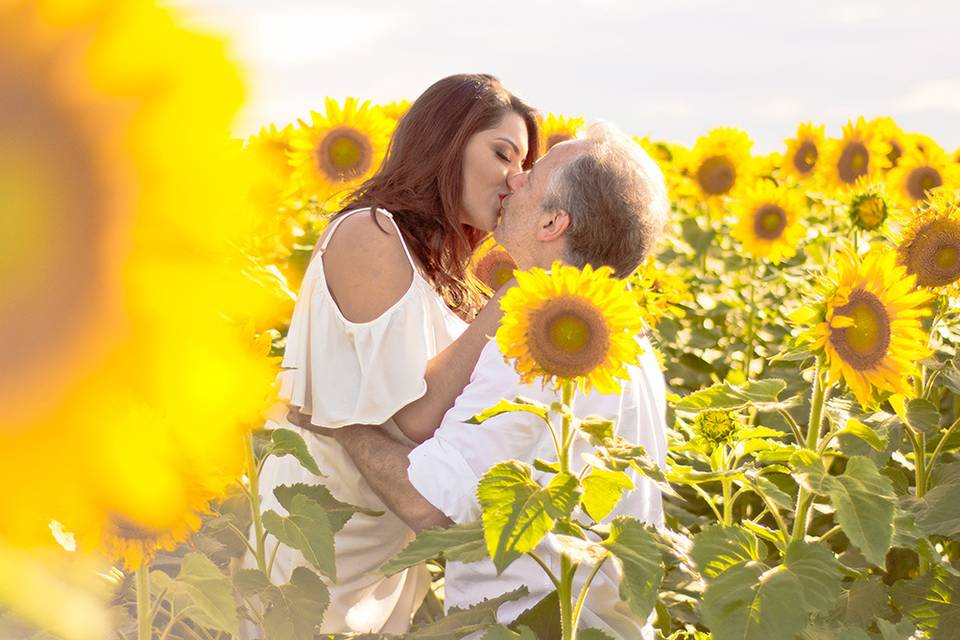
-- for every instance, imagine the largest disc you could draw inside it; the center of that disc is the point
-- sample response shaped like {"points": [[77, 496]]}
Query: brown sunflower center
{"points": [[568, 337], [921, 180], [863, 345], [769, 221], [854, 162], [869, 212], [806, 157], [716, 175], [126, 529], [557, 138], [344, 154], [495, 268], [895, 152], [934, 253], [53, 234]]}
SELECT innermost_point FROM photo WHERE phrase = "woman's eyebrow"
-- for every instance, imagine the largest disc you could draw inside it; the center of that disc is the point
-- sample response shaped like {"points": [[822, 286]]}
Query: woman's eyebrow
{"points": [[510, 142]]}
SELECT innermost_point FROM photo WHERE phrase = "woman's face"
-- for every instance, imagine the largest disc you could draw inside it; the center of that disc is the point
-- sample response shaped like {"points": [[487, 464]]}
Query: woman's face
{"points": [[490, 157]]}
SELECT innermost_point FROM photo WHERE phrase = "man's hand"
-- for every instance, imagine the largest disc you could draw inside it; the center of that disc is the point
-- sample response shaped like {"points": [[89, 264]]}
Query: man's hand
{"points": [[302, 420]]}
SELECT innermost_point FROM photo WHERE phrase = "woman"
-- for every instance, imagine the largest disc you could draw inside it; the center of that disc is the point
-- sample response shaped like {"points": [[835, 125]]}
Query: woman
{"points": [[373, 338]]}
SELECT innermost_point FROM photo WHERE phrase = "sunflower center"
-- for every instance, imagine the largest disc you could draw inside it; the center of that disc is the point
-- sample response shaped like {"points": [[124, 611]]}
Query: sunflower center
{"points": [[495, 269], [568, 336], [769, 221], [53, 234], [854, 161], [557, 138], [716, 175], [806, 157], [895, 152], [934, 253], [344, 154], [864, 344], [129, 530], [921, 180]]}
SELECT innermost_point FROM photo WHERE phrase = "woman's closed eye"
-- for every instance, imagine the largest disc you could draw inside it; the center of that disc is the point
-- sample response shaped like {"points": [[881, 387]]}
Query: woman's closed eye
{"points": [[503, 156]]}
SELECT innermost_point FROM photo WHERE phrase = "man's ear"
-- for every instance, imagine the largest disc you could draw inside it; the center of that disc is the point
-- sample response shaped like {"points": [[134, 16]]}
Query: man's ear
{"points": [[553, 224]]}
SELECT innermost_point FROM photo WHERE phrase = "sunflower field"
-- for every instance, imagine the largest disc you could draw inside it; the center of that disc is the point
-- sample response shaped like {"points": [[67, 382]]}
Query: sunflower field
{"points": [[803, 305]]}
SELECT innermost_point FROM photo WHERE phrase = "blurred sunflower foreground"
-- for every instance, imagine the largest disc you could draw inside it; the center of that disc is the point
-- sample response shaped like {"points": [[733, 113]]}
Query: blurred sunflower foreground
{"points": [[130, 371]]}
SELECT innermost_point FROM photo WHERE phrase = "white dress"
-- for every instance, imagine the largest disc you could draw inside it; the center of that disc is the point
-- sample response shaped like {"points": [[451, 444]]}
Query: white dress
{"points": [[340, 373]]}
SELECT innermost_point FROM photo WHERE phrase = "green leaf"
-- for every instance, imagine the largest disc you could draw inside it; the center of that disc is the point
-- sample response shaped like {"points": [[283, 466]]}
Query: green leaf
{"points": [[506, 406], [602, 491], [543, 618], [751, 602], [338, 513], [462, 622], [923, 416], [780, 498], [501, 632], [250, 582], [635, 549], [461, 543], [210, 591], [869, 435], [864, 602], [762, 394], [865, 505], [598, 430], [580, 551], [295, 610], [818, 573], [307, 529], [941, 512], [593, 634], [932, 601], [286, 442], [546, 467], [517, 512], [890, 631], [717, 548]]}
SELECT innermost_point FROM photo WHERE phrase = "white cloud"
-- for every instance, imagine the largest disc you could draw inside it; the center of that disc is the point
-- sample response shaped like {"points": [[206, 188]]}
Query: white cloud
{"points": [[936, 95]]}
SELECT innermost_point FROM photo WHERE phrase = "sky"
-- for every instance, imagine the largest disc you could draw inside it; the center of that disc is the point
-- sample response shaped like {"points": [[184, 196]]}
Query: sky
{"points": [[671, 70]]}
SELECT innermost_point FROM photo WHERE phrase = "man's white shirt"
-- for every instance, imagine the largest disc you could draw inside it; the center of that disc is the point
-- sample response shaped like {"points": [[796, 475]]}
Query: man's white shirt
{"points": [[446, 469]]}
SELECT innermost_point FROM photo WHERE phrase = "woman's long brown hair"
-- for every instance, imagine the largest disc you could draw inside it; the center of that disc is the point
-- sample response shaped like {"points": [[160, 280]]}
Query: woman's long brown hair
{"points": [[421, 178]]}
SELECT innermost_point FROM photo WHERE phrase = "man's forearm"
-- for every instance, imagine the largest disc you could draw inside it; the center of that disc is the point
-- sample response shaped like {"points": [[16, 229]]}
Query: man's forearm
{"points": [[383, 463]]}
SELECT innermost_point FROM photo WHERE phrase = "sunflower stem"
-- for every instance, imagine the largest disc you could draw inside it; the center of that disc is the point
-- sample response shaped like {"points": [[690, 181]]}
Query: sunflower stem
{"points": [[817, 402], [253, 477], [144, 620], [751, 319], [567, 566]]}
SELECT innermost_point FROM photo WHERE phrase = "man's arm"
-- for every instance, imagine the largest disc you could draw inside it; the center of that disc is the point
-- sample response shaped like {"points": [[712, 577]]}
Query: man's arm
{"points": [[383, 463]]}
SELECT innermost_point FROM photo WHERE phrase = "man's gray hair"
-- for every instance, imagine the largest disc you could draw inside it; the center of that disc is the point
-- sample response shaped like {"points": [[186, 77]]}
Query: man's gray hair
{"points": [[615, 195]]}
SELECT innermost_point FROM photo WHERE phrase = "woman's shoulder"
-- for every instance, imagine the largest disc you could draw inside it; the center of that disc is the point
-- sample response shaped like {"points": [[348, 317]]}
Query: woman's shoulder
{"points": [[366, 265]]}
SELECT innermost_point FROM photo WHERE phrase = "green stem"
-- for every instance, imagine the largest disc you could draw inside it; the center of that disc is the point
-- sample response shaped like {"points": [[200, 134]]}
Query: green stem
{"points": [[942, 442], [583, 592], [565, 595], [144, 621], [253, 477], [751, 319], [727, 490], [564, 457], [805, 497]]}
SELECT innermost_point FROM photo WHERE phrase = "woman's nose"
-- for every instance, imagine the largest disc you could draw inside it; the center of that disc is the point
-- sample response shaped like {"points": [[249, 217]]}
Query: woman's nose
{"points": [[515, 180]]}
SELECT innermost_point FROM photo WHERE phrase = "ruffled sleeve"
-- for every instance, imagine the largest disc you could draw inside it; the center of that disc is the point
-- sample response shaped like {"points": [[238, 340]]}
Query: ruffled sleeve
{"points": [[341, 372]]}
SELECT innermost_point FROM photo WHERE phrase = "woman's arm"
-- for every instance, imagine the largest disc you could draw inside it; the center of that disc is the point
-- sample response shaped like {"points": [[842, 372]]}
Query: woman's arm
{"points": [[367, 271]]}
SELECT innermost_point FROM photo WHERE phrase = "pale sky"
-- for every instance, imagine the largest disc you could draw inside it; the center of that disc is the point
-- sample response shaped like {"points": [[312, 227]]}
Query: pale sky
{"points": [[668, 69]]}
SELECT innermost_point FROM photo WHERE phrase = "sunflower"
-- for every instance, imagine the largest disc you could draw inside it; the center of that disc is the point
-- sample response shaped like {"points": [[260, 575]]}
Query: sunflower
{"points": [[395, 110], [770, 223], [661, 293], [929, 245], [869, 206], [673, 160], [803, 151], [492, 265], [121, 291], [339, 149], [720, 162], [557, 128], [869, 325], [570, 325], [921, 170], [886, 130], [858, 153]]}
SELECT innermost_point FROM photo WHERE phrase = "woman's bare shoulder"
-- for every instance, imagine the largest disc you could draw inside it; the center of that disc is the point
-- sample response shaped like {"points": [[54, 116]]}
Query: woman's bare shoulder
{"points": [[366, 267]]}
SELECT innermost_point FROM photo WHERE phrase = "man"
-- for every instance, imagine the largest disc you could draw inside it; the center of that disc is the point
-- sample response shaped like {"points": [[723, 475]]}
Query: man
{"points": [[598, 200]]}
